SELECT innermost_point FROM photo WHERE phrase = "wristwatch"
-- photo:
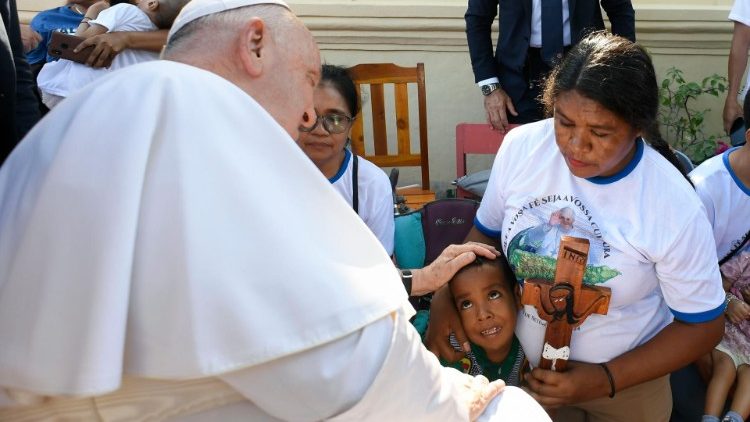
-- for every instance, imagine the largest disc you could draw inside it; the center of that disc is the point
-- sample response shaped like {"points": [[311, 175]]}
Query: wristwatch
{"points": [[490, 88], [406, 277]]}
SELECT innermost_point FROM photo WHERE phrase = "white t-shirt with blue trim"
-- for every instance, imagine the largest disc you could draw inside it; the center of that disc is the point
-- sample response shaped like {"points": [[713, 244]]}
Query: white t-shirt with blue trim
{"points": [[375, 197], [726, 199], [650, 240]]}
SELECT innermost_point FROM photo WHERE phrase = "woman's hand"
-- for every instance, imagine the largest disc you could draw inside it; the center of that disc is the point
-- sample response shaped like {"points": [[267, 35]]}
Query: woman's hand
{"points": [[738, 311], [29, 38], [444, 320], [581, 382], [106, 47]]}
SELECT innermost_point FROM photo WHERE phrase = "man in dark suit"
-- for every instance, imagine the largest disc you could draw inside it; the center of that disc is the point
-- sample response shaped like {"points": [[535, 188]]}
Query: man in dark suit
{"points": [[18, 111], [534, 35]]}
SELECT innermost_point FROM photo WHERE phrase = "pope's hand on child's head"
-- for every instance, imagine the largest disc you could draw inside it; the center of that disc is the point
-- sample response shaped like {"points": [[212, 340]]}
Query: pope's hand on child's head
{"points": [[445, 266]]}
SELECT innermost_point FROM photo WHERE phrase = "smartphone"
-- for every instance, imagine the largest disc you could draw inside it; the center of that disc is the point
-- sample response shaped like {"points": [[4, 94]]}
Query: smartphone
{"points": [[61, 46]]}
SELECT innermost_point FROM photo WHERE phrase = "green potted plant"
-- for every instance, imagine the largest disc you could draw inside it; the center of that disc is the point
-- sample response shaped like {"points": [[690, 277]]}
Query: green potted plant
{"points": [[682, 125]]}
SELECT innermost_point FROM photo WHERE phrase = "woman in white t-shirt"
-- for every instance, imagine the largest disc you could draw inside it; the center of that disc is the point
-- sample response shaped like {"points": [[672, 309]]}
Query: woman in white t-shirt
{"points": [[362, 184], [650, 241]]}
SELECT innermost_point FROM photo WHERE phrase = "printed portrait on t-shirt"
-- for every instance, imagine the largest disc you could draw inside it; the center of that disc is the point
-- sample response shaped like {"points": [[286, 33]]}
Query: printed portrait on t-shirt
{"points": [[534, 233]]}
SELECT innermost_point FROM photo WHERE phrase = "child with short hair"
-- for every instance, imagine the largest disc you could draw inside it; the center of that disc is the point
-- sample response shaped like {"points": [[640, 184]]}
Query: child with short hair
{"points": [[723, 184], [61, 78], [487, 298]]}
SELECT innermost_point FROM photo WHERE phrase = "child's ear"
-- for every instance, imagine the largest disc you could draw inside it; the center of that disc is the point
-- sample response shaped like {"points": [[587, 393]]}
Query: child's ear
{"points": [[152, 5]]}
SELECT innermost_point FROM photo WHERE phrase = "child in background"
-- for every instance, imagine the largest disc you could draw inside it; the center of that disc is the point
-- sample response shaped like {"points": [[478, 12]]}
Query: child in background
{"points": [[61, 78], [723, 184], [487, 297]]}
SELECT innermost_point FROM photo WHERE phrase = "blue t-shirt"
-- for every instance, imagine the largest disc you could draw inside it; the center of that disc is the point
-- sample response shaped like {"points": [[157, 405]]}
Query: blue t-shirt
{"points": [[61, 19]]}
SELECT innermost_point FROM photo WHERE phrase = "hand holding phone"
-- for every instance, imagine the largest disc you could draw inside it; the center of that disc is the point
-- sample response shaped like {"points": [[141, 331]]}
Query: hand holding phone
{"points": [[62, 45]]}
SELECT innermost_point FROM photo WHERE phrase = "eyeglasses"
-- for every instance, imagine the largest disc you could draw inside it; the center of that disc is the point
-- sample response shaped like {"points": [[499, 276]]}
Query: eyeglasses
{"points": [[333, 123]]}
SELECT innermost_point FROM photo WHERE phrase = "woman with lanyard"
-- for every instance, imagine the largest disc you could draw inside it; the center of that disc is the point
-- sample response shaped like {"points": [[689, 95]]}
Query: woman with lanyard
{"points": [[601, 157], [362, 184]]}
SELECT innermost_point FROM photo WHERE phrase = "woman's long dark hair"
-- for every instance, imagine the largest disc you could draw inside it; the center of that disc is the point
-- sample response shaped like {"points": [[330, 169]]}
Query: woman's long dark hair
{"points": [[619, 75]]}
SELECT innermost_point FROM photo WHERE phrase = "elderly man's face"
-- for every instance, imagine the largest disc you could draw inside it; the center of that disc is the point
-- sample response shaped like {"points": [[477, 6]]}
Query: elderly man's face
{"points": [[295, 81]]}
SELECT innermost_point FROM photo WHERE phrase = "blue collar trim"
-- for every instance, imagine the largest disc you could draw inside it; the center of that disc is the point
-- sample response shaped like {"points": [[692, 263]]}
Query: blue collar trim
{"points": [[342, 169], [604, 180]]}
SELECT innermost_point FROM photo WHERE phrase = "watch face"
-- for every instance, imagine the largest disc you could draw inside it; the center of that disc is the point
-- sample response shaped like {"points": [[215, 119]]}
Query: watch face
{"points": [[489, 88]]}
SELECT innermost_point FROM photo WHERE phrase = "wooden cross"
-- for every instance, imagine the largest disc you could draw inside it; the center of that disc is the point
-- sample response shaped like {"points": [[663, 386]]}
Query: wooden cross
{"points": [[566, 302]]}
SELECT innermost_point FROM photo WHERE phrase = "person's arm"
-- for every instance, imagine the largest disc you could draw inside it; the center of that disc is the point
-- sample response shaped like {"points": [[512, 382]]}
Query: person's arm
{"points": [[622, 17], [87, 30], [479, 17], [736, 69], [690, 283], [110, 44], [355, 377], [674, 347]]}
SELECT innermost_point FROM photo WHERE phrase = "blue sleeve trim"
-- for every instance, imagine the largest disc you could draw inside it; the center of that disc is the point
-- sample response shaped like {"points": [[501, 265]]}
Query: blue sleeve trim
{"points": [[700, 316], [486, 231]]}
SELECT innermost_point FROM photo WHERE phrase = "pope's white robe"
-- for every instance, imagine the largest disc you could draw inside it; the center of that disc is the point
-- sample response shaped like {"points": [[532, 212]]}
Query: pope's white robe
{"points": [[161, 233]]}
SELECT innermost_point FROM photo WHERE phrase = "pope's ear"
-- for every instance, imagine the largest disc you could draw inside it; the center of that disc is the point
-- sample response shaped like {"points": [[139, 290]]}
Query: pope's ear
{"points": [[252, 46]]}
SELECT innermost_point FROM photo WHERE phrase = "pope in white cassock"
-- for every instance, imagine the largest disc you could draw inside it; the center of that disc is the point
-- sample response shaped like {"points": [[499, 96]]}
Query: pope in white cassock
{"points": [[168, 252]]}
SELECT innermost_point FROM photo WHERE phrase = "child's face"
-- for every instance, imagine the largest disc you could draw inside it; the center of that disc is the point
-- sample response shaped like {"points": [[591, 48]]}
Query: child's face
{"points": [[487, 308]]}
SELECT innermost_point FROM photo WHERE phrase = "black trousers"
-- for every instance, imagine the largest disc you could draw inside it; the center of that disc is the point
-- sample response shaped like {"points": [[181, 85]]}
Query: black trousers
{"points": [[530, 107]]}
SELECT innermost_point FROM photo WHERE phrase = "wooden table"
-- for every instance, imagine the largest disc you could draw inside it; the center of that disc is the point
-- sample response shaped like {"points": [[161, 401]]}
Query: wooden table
{"points": [[415, 197]]}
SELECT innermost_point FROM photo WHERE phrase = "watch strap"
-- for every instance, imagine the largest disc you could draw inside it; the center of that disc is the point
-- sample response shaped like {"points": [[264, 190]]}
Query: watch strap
{"points": [[406, 278]]}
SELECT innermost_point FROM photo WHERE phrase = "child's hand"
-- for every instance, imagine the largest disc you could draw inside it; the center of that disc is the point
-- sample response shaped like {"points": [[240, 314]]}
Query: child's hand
{"points": [[745, 294], [738, 311]]}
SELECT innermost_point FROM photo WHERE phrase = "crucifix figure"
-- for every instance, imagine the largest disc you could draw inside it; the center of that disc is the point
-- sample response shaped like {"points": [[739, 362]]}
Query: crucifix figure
{"points": [[565, 302]]}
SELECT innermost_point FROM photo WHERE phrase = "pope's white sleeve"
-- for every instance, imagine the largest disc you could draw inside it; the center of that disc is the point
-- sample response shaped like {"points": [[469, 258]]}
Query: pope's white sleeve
{"points": [[320, 382], [380, 372]]}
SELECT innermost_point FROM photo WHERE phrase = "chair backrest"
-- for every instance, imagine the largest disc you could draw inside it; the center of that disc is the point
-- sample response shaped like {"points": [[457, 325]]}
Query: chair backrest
{"points": [[422, 235], [475, 138], [445, 222], [376, 75]]}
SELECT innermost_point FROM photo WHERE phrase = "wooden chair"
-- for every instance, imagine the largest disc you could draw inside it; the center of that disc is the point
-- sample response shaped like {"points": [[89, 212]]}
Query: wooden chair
{"points": [[376, 75], [474, 138]]}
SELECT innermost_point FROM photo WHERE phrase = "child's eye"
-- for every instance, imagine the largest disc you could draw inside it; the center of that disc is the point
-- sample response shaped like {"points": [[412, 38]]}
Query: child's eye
{"points": [[466, 304], [494, 295]]}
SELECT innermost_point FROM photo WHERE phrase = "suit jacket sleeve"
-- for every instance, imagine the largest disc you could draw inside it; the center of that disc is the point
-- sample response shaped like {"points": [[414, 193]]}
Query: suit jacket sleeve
{"points": [[479, 17], [622, 17]]}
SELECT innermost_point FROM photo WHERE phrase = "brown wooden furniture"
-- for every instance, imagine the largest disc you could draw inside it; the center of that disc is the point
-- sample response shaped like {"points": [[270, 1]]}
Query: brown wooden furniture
{"points": [[376, 76], [475, 138]]}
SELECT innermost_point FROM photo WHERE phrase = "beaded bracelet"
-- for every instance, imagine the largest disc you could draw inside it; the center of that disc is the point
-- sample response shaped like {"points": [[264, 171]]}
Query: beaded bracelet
{"points": [[611, 380], [729, 298]]}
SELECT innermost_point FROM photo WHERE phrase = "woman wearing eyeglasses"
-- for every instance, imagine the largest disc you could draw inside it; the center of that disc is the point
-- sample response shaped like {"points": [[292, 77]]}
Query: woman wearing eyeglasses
{"points": [[362, 184]]}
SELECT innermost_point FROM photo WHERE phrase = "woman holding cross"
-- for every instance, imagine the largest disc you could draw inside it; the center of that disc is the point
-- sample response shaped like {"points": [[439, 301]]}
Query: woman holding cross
{"points": [[601, 156]]}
